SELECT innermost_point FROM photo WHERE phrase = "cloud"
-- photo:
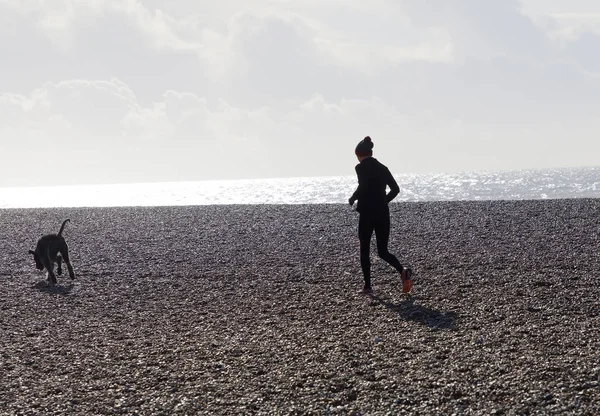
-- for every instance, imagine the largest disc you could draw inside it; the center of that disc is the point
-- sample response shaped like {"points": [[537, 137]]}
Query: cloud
{"points": [[98, 40], [271, 48], [184, 136], [197, 90], [579, 51], [483, 29]]}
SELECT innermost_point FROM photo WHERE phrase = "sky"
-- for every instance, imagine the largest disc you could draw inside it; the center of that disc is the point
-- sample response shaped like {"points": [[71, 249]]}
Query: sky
{"points": [[122, 91]]}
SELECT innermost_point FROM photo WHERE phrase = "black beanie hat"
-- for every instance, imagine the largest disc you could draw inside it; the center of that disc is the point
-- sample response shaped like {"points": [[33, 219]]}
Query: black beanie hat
{"points": [[364, 147]]}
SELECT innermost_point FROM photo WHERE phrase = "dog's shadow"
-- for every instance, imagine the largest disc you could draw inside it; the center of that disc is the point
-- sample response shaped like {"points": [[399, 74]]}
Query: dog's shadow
{"points": [[411, 311], [45, 287]]}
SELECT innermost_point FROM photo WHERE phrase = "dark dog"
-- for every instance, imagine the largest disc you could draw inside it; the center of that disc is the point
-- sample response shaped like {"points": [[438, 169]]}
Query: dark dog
{"points": [[49, 250]]}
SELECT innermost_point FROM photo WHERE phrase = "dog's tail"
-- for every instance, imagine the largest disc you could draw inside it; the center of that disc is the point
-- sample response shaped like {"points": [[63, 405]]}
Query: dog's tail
{"points": [[62, 227]]}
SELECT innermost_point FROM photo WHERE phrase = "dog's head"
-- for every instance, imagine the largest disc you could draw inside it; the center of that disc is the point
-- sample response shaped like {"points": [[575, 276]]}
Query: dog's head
{"points": [[38, 263]]}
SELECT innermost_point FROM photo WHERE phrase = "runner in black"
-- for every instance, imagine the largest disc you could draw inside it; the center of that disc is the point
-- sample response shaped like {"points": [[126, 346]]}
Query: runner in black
{"points": [[373, 179]]}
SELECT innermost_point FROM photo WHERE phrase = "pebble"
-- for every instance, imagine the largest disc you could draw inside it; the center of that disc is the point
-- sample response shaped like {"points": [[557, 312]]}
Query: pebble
{"points": [[253, 309]]}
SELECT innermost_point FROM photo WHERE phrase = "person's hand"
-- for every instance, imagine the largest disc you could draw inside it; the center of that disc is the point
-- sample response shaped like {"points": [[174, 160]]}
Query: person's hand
{"points": [[351, 201]]}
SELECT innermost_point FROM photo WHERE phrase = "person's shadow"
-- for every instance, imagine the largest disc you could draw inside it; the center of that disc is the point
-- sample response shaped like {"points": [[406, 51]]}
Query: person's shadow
{"points": [[57, 289], [410, 311]]}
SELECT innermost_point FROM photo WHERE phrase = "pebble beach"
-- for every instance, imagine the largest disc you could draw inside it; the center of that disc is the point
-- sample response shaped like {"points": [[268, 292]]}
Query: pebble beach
{"points": [[255, 309]]}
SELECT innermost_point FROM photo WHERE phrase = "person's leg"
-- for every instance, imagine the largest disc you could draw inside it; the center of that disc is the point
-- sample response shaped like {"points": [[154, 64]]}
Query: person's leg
{"points": [[382, 234], [365, 232]]}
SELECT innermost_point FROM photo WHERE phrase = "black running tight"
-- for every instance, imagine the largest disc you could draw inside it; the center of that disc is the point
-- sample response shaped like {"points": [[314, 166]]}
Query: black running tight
{"points": [[380, 224]]}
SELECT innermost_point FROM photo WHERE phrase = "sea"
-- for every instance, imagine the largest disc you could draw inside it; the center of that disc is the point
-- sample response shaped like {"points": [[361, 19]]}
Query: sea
{"points": [[505, 185]]}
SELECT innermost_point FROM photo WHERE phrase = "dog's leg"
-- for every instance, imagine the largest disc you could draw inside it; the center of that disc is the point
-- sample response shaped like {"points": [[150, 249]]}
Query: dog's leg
{"points": [[58, 265], [49, 265], [65, 254]]}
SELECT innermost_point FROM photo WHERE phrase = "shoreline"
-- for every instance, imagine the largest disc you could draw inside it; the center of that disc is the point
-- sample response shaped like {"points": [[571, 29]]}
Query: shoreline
{"points": [[308, 204]]}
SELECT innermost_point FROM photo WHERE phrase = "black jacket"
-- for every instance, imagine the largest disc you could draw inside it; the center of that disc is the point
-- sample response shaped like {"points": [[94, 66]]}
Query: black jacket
{"points": [[373, 178]]}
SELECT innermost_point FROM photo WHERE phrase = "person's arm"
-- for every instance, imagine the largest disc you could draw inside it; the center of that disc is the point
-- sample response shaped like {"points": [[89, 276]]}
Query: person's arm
{"points": [[360, 189], [394, 188]]}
